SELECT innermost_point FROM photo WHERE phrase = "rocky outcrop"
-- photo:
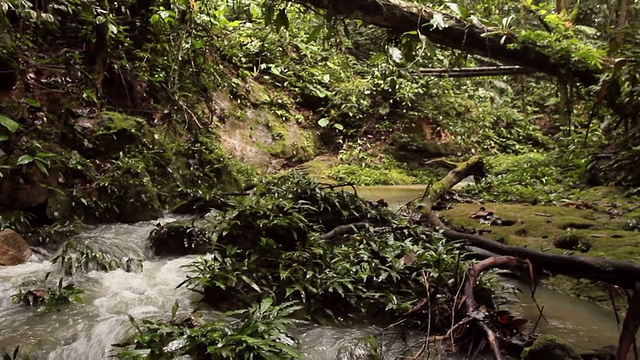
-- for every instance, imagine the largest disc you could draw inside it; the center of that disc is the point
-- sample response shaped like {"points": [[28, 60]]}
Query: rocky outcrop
{"points": [[13, 249]]}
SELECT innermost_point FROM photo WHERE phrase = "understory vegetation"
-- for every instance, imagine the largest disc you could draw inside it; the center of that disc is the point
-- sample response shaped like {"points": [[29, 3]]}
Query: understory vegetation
{"points": [[293, 247], [119, 111], [193, 74]]}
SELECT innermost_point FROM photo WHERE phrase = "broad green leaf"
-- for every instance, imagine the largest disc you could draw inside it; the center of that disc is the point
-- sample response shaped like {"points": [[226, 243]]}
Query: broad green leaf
{"points": [[174, 310], [251, 283], [282, 20], [24, 159], [42, 167], [269, 10], [314, 33], [32, 102], [377, 58], [9, 124]]}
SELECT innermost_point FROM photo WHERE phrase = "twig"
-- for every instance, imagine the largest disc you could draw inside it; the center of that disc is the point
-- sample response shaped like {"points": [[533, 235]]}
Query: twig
{"points": [[483, 342], [493, 341], [453, 318], [425, 346], [613, 304], [540, 316]]}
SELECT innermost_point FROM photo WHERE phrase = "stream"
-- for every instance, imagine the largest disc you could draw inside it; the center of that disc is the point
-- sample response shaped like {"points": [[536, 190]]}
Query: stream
{"points": [[87, 331]]}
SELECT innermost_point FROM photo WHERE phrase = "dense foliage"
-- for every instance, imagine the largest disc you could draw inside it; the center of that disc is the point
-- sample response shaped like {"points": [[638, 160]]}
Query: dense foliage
{"points": [[116, 110], [170, 63], [258, 332], [338, 258]]}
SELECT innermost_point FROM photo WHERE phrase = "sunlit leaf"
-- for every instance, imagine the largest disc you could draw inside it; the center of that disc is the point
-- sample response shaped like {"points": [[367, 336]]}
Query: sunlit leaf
{"points": [[24, 159], [323, 122], [11, 125]]}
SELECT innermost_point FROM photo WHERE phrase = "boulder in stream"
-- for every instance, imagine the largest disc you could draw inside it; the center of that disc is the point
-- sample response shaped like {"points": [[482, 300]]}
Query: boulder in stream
{"points": [[549, 347], [14, 249]]}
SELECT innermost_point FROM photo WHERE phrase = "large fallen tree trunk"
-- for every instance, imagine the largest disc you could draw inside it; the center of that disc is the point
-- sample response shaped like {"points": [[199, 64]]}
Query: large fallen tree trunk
{"points": [[621, 273], [624, 274], [404, 16]]}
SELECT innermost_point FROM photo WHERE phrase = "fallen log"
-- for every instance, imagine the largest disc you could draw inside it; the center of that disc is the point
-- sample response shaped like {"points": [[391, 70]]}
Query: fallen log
{"points": [[620, 273], [476, 71], [471, 37]]}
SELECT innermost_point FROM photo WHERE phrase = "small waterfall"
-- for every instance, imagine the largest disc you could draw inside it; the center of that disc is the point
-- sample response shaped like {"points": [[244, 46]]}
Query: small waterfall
{"points": [[87, 331]]}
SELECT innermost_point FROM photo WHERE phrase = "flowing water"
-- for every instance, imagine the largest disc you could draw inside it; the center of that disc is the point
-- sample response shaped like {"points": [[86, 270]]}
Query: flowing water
{"points": [[87, 331]]}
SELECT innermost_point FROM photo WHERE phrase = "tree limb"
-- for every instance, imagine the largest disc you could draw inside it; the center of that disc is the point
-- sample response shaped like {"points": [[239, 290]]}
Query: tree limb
{"points": [[473, 38]]}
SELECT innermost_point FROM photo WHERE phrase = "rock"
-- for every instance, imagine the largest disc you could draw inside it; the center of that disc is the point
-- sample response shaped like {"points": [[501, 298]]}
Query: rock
{"points": [[549, 347], [180, 238], [23, 190], [139, 204], [13, 249], [59, 207]]}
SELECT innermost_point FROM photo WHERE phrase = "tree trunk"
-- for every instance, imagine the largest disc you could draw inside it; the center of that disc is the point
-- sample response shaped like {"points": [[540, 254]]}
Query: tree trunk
{"points": [[405, 16], [618, 39], [101, 49]]}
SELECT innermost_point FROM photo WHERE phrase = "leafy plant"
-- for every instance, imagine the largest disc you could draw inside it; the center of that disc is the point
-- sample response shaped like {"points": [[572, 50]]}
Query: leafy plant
{"points": [[10, 127], [12, 356], [258, 332], [277, 247], [49, 299]]}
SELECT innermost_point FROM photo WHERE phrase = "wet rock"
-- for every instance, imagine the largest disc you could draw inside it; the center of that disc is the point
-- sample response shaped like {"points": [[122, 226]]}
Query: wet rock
{"points": [[59, 207], [362, 350], [81, 255], [549, 347], [140, 204], [13, 249], [23, 190], [180, 238], [33, 298]]}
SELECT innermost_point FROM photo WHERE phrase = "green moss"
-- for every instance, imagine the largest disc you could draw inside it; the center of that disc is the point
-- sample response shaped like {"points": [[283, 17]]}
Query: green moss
{"points": [[111, 122], [369, 176], [581, 288], [549, 347], [538, 226], [320, 167]]}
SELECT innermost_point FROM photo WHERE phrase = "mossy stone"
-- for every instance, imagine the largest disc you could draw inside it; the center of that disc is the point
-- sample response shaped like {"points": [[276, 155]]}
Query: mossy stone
{"points": [[549, 347]]}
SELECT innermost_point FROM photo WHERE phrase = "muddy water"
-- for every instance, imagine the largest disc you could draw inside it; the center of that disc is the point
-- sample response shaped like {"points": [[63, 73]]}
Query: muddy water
{"points": [[584, 325], [581, 323]]}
